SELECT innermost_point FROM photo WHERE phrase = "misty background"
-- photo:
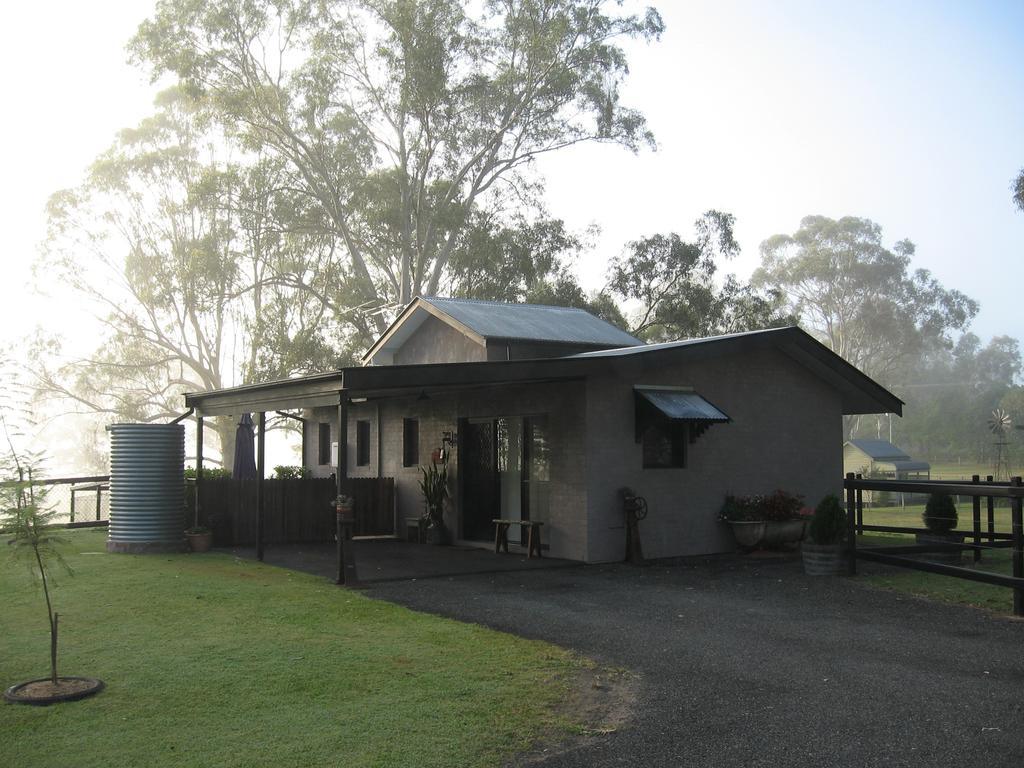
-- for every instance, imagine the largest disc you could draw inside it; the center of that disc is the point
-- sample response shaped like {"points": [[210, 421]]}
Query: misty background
{"points": [[898, 131]]}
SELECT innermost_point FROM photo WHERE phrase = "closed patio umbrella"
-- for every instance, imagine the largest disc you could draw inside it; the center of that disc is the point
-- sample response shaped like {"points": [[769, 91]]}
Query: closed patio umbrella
{"points": [[245, 453]]}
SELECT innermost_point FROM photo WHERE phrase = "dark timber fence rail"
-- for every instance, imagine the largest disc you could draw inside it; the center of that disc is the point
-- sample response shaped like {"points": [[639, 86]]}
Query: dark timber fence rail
{"points": [[977, 539], [79, 502], [294, 511]]}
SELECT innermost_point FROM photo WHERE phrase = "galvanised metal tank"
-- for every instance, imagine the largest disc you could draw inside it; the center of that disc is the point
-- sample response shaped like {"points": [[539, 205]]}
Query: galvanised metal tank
{"points": [[147, 488]]}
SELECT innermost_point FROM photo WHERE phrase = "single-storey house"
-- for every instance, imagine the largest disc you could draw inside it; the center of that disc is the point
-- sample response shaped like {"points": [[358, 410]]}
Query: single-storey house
{"points": [[882, 459], [546, 413]]}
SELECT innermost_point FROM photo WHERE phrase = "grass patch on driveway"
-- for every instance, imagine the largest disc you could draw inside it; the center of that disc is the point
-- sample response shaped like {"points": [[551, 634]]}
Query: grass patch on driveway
{"points": [[210, 660]]}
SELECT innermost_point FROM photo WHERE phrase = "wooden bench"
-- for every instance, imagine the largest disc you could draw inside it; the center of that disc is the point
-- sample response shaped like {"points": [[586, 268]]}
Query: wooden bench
{"points": [[532, 535]]}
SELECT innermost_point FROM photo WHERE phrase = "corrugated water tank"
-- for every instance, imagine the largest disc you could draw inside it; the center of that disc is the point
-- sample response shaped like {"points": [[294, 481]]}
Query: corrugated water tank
{"points": [[147, 488]]}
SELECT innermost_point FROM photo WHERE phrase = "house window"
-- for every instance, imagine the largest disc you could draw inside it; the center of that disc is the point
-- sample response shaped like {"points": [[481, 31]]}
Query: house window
{"points": [[410, 442], [664, 445], [324, 442], [362, 443]]}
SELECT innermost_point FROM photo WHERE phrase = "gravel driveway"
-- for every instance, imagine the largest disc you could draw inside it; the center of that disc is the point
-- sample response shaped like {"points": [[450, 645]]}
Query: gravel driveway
{"points": [[750, 663]]}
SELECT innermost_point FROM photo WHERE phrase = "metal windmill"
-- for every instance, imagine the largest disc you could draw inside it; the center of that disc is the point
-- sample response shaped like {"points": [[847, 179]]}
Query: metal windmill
{"points": [[999, 424]]}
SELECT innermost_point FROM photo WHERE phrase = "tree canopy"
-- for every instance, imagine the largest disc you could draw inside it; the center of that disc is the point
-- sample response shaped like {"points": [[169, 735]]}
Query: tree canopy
{"points": [[405, 126], [672, 283], [860, 297]]}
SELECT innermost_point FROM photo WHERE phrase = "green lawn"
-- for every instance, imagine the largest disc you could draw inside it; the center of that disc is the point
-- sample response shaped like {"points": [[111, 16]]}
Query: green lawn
{"points": [[945, 588], [211, 660]]}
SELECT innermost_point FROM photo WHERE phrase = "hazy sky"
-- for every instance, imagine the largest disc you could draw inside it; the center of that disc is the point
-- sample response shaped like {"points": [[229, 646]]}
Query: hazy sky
{"points": [[910, 114]]}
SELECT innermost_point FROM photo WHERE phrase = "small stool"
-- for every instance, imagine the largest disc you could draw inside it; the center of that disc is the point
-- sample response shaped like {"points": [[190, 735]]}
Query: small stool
{"points": [[414, 531], [532, 535]]}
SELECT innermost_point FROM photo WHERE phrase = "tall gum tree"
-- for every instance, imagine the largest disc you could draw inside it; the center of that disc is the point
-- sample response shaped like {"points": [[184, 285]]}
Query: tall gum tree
{"points": [[201, 276], [401, 120], [861, 298]]}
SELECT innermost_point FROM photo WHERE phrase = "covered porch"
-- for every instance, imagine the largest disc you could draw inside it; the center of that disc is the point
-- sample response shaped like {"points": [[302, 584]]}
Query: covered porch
{"points": [[349, 401]]}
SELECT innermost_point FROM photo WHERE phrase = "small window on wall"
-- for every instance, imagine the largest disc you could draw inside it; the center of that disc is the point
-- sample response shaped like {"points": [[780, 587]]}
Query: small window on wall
{"points": [[362, 443], [664, 445], [410, 442], [324, 450]]}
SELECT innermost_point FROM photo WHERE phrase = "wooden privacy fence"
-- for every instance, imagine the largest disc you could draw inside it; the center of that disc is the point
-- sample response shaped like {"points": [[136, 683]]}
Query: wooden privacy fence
{"points": [[294, 511], [978, 538]]}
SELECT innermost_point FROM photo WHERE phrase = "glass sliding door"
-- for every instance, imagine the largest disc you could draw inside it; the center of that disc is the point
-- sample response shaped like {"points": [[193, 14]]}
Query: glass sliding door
{"points": [[510, 472], [536, 468]]}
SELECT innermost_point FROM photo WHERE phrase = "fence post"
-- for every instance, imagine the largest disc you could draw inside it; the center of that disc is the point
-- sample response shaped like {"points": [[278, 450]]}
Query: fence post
{"points": [[99, 501], [72, 504], [860, 508], [991, 515], [976, 509], [1018, 548], [851, 526]]}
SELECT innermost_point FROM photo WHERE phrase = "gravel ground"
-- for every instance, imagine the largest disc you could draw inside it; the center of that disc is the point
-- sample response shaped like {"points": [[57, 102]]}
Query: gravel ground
{"points": [[750, 663]]}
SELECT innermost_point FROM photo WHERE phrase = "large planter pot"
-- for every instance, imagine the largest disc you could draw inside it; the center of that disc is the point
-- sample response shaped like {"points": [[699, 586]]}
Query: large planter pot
{"points": [[437, 534], [752, 534], [823, 559], [748, 533], [200, 542], [954, 557], [777, 534]]}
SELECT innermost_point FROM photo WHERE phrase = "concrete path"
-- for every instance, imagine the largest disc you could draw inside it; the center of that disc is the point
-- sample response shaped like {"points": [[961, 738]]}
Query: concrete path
{"points": [[750, 663], [395, 560]]}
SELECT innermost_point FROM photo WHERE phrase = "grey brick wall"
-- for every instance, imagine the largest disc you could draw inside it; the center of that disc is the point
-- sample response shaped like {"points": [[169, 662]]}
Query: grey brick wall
{"points": [[786, 433]]}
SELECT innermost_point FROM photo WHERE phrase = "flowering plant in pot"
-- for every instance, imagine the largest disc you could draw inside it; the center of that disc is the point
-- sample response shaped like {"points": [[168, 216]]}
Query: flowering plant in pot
{"points": [[822, 552], [764, 520], [940, 518]]}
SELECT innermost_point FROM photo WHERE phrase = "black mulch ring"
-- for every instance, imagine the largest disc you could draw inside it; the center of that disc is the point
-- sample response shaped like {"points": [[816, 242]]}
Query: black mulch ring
{"points": [[42, 692]]}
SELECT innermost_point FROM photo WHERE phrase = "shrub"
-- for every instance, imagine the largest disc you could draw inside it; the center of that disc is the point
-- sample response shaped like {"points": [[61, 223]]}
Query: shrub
{"points": [[828, 526], [781, 506], [209, 473], [776, 507], [940, 513], [738, 509], [283, 472]]}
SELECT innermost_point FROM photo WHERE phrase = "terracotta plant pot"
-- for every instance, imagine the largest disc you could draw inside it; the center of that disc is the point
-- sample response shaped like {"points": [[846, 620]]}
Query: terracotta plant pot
{"points": [[200, 542], [823, 559]]}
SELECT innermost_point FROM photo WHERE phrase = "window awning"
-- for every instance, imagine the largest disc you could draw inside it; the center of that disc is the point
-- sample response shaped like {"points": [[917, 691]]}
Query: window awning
{"points": [[676, 404], [681, 405]]}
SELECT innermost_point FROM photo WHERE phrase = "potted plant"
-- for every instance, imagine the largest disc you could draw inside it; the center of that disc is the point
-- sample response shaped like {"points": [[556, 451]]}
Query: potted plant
{"points": [[764, 520], [200, 538], [823, 550], [434, 485], [940, 518]]}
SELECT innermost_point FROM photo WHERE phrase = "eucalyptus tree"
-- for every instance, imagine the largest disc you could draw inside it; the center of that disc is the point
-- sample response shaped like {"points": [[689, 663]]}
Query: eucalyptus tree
{"points": [[404, 123], [860, 297], [200, 274], [672, 284]]}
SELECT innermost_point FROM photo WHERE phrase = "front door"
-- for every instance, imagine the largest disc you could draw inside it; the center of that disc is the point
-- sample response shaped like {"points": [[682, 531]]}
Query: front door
{"points": [[478, 463]]}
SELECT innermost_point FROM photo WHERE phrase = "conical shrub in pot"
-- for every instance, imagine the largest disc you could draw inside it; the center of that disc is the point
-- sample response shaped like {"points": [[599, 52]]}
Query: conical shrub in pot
{"points": [[823, 550]]}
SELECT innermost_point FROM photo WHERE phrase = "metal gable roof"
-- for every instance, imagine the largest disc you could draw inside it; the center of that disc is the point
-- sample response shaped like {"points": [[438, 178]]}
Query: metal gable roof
{"points": [[880, 449], [532, 322]]}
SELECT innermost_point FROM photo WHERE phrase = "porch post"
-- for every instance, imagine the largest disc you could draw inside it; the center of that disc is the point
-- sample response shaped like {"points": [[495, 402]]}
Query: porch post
{"points": [[346, 573], [260, 462], [199, 466]]}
